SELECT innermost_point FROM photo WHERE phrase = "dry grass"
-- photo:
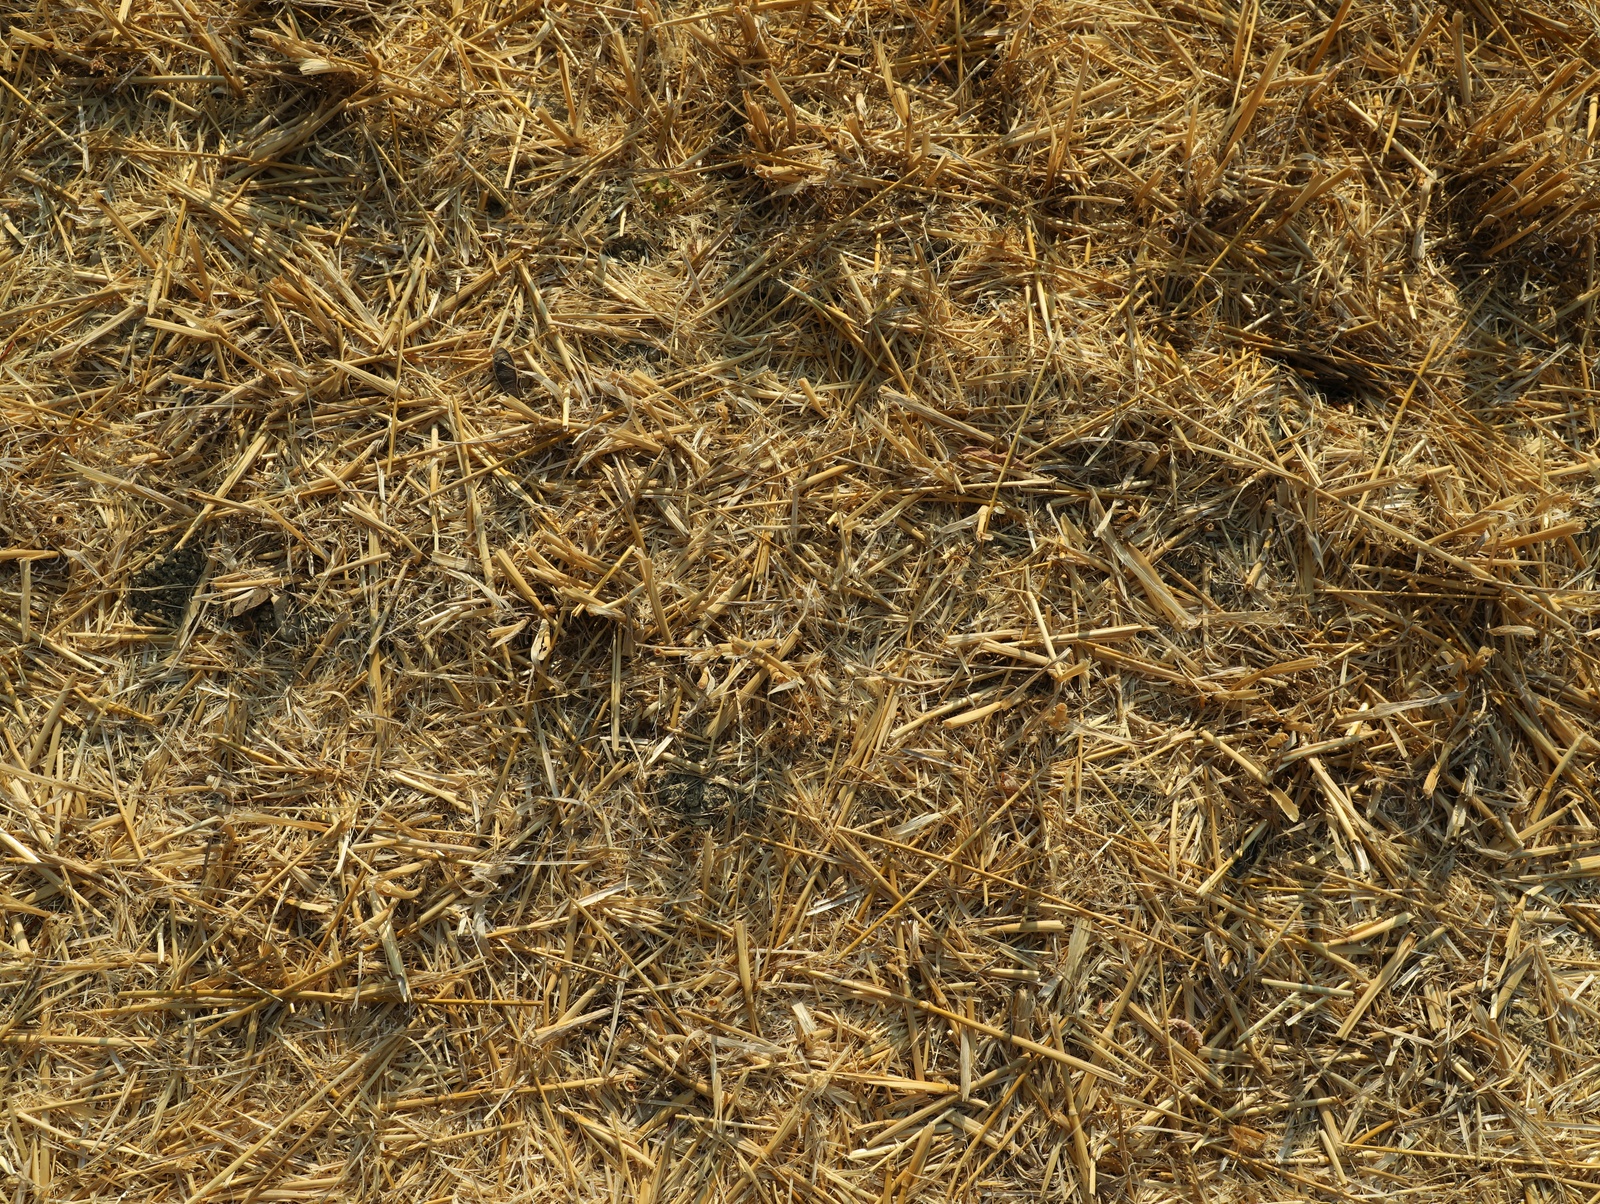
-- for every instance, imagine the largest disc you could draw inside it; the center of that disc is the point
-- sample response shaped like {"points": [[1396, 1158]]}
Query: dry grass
{"points": [[813, 601]]}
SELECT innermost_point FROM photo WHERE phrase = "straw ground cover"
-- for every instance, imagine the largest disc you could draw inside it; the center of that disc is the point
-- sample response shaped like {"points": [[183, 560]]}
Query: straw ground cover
{"points": [[798, 601]]}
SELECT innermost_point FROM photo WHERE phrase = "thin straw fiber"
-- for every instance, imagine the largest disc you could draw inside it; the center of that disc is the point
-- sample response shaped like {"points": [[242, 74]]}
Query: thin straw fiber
{"points": [[799, 601]]}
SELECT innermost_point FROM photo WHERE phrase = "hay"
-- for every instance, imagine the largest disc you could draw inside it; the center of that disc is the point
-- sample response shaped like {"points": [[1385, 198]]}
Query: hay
{"points": [[798, 601]]}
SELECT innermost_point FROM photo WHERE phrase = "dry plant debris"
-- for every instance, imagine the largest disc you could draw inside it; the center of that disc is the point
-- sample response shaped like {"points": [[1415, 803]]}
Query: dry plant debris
{"points": [[801, 600]]}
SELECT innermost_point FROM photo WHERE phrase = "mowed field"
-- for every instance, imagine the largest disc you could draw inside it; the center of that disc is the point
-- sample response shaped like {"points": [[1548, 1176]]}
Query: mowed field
{"points": [[799, 601]]}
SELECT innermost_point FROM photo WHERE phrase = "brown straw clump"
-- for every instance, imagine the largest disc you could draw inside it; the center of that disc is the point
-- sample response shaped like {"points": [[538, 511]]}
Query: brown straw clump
{"points": [[799, 601]]}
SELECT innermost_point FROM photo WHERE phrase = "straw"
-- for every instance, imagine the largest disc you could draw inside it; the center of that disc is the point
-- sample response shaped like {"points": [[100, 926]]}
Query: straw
{"points": [[798, 602]]}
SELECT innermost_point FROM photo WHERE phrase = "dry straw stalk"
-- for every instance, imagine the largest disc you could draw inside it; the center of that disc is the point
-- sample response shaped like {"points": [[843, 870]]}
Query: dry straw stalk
{"points": [[798, 600]]}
